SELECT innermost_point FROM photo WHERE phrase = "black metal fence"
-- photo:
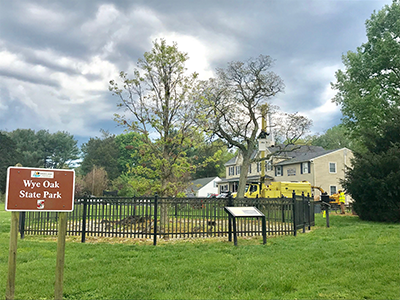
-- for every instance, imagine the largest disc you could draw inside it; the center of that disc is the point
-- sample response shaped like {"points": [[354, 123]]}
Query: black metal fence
{"points": [[155, 217]]}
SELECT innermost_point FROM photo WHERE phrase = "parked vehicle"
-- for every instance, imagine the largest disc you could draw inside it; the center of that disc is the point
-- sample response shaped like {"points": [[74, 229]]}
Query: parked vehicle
{"points": [[277, 189]]}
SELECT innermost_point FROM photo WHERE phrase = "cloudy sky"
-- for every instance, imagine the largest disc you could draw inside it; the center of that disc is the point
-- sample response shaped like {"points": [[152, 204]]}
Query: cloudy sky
{"points": [[57, 57]]}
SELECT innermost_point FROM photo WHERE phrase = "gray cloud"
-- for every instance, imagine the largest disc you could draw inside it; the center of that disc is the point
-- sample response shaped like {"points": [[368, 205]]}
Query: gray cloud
{"points": [[56, 57]]}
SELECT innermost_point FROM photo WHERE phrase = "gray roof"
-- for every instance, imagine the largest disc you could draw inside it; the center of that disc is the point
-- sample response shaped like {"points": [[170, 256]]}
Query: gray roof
{"points": [[291, 153], [199, 183], [304, 154]]}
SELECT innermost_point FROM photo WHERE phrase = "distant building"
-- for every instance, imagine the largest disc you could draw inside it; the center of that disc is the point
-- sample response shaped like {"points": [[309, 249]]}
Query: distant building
{"points": [[203, 187], [320, 167]]}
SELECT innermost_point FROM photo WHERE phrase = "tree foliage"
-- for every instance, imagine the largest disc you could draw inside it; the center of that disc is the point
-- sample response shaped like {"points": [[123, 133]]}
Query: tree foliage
{"points": [[9, 156], [220, 153], [368, 89], [374, 180], [161, 102], [44, 149], [103, 153], [334, 138], [128, 145]]}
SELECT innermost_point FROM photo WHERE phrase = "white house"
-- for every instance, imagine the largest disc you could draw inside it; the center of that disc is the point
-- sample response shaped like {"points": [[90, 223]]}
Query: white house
{"points": [[203, 187]]}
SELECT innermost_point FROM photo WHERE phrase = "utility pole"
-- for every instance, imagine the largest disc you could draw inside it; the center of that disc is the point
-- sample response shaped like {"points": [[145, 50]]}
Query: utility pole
{"points": [[263, 129]]}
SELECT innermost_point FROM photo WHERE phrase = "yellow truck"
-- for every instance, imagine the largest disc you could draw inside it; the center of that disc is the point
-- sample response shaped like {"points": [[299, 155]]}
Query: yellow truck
{"points": [[278, 189]]}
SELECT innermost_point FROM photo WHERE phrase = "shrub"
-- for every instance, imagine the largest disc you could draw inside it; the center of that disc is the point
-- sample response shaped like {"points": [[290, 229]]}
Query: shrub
{"points": [[374, 181]]}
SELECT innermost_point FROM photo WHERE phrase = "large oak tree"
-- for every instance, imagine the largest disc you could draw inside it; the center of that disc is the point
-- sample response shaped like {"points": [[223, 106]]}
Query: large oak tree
{"points": [[235, 102]]}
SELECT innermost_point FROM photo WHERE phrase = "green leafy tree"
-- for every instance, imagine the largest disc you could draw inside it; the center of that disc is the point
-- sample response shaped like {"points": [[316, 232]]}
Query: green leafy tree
{"points": [[9, 156], [128, 145], [28, 145], [368, 89], [43, 149], [161, 102], [334, 138], [374, 180], [220, 154], [103, 153], [58, 149], [368, 92], [235, 102]]}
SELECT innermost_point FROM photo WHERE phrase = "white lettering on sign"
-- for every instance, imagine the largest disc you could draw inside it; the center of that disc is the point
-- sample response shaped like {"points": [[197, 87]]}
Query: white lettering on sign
{"points": [[52, 185], [47, 194], [25, 194], [31, 184], [34, 184]]}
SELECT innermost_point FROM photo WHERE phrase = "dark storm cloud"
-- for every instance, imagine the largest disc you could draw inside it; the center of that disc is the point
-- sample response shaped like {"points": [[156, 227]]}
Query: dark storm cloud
{"points": [[31, 78], [93, 40]]}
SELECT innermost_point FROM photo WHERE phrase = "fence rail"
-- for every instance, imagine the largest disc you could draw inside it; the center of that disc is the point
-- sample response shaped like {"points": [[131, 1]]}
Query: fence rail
{"points": [[155, 217]]}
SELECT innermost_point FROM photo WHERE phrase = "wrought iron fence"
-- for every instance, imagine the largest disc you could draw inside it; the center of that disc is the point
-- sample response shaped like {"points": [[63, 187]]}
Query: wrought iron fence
{"points": [[155, 217]]}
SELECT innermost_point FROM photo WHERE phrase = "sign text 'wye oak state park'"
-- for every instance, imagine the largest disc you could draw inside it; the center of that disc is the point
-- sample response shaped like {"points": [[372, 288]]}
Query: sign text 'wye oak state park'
{"points": [[34, 189]]}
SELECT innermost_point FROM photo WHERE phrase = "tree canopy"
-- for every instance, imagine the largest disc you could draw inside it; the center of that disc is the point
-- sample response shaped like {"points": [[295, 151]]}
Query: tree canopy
{"points": [[368, 89], [374, 180], [368, 92], [161, 102], [44, 149], [334, 138], [9, 156], [101, 153]]}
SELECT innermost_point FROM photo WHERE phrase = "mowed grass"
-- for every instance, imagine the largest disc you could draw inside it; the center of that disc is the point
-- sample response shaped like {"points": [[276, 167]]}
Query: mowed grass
{"points": [[351, 260]]}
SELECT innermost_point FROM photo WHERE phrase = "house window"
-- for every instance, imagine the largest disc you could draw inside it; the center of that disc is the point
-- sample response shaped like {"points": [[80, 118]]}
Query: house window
{"points": [[332, 167], [258, 167], [214, 184], [305, 167], [234, 188], [231, 171], [333, 189], [278, 171], [250, 169], [268, 166], [237, 170]]}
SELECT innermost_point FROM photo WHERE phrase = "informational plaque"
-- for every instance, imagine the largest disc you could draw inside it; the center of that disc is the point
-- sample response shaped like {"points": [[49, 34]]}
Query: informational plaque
{"points": [[35, 189], [244, 212]]}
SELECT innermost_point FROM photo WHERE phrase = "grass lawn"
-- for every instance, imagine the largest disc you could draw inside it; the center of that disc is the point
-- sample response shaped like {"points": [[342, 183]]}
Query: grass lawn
{"points": [[351, 260]]}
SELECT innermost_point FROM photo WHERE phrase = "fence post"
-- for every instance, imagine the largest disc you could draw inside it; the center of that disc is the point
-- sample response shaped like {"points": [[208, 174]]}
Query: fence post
{"points": [[22, 224], [294, 214], [303, 202], [155, 218], [309, 211], [327, 215], [230, 203], [83, 238]]}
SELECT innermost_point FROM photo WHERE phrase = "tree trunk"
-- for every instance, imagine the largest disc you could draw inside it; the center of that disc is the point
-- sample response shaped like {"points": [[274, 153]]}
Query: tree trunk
{"points": [[243, 173]]}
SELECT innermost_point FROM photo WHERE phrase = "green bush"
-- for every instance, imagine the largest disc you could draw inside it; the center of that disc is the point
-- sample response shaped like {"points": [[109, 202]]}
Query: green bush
{"points": [[374, 181]]}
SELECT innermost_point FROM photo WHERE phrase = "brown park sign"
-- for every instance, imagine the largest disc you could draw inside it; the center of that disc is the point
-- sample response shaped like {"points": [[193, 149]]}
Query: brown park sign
{"points": [[35, 189]]}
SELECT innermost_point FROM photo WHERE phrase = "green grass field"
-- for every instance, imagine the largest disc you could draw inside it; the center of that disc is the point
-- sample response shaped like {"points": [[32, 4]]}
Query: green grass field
{"points": [[351, 260]]}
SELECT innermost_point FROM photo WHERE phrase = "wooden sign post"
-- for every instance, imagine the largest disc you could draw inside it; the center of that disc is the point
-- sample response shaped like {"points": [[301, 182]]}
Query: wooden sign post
{"points": [[34, 189]]}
